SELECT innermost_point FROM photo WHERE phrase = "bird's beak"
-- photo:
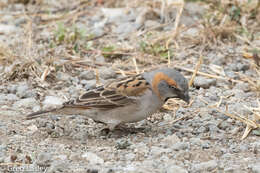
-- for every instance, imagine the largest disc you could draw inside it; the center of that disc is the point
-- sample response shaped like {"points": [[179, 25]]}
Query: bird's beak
{"points": [[186, 97]]}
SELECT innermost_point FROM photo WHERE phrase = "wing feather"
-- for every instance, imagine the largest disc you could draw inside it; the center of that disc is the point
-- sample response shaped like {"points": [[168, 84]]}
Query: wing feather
{"points": [[112, 95]]}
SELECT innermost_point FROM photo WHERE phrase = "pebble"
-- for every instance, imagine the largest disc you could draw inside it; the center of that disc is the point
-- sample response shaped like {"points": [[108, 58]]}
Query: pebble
{"points": [[87, 75], [44, 159], [170, 140], [51, 101], [130, 156], [92, 158], [180, 146], [59, 166], [192, 32], [204, 82], [206, 166], [255, 168], [238, 66], [63, 76], [125, 28], [107, 73], [24, 91], [25, 103], [7, 29], [175, 169], [242, 86], [151, 23], [11, 97], [122, 144]]}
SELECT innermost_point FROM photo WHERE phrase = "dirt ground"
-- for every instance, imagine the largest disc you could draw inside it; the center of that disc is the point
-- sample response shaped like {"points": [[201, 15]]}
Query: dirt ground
{"points": [[52, 51]]}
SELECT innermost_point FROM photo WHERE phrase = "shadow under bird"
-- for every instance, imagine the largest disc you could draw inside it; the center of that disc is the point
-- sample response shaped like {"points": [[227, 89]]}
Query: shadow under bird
{"points": [[126, 100]]}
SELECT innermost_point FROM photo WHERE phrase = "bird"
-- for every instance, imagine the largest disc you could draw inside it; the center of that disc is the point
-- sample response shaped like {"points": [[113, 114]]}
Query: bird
{"points": [[127, 99]]}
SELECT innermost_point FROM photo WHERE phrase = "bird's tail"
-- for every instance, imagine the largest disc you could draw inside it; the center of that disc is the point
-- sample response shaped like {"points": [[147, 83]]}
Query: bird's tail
{"points": [[40, 113]]}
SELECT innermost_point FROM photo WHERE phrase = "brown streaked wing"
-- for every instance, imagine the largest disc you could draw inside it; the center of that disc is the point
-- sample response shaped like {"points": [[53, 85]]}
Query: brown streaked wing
{"points": [[115, 94]]}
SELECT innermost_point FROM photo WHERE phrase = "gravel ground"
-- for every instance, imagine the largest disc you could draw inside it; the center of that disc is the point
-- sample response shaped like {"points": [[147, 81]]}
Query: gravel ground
{"points": [[192, 138]]}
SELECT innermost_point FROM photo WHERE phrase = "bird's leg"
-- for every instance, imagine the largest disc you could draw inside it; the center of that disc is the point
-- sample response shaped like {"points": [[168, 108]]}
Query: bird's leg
{"points": [[109, 128]]}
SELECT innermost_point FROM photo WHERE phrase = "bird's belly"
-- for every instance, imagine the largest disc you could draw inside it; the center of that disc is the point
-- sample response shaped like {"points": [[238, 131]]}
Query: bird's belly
{"points": [[128, 114]]}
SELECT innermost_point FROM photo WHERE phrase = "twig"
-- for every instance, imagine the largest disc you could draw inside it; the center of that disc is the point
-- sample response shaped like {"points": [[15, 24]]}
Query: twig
{"points": [[136, 67], [177, 20], [196, 68], [207, 75]]}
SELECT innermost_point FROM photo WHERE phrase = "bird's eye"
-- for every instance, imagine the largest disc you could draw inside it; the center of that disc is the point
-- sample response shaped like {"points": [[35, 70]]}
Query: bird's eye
{"points": [[170, 86], [174, 88]]}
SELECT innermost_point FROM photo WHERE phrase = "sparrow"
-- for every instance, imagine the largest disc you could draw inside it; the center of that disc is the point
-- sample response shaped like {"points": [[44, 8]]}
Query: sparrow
{"points": [[126, 100]]}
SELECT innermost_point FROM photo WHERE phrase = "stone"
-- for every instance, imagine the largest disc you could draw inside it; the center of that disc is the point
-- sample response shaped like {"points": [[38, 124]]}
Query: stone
{"points": [[87, 75], [92, 158], [63, 76], [44, 159], [180, 146], [255, 168], [59, 166], [25, 103], [24, 91], [206, 166], [171, 140], [204, 82], [7, 29], [51, 101], [11, 97], [107, 73], [175, 169]]}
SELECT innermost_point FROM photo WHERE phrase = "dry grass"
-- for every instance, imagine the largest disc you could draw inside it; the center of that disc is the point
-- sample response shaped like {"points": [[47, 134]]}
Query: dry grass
{"points": [[218, 27]]}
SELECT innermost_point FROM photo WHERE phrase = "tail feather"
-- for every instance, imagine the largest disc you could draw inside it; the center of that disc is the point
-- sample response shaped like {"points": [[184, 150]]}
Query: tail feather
{"points": [[40, 113]]}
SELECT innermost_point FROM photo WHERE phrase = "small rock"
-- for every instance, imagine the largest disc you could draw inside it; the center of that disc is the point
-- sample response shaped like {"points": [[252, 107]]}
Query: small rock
{"points": [[195, 141], [194, 8], [44, 159], [50, 101], [23, 91], [151, 23], [205, 145], [11, 97], [7, 29], [107, 73], [130, 156], [175, 169], [122, 144], [157, 151], [32, 128], [167, 117], [27, 103], [58, 166], [87, 75], [63, 76], [92, 158], [206, 166], [204, 82], [192, 32], [125, 28], [171, 140], [118, 15], [202, 129], [60, 157], [242, 86], [256, 168], [12, 88], [180, 146], [97, 31], [2, 153], [238, 66], [100, 59]]}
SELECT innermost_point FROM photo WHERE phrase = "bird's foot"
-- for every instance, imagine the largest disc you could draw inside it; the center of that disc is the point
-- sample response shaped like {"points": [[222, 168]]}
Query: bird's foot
{"points": [[121, 130]]}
